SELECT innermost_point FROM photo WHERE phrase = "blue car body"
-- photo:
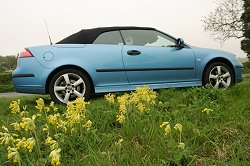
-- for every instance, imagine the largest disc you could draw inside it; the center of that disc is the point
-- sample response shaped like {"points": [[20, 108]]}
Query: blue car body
{"points": [[111, 69]]}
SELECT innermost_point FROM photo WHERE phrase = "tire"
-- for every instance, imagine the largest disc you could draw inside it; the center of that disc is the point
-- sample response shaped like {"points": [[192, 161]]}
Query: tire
{"points": [[68, 84], [218, 75]]}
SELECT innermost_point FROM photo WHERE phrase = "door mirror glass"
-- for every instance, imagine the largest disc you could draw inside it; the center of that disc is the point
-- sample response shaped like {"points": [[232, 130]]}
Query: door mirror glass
{"points": [[180, 43]]}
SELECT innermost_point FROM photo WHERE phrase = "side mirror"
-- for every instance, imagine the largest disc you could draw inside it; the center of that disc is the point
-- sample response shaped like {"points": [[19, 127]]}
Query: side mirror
{"points": [[180, 43]]}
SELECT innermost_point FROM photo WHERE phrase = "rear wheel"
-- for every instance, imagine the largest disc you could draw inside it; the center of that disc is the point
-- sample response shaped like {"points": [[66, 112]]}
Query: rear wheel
{"points": [[219, 75], [67, 85]]}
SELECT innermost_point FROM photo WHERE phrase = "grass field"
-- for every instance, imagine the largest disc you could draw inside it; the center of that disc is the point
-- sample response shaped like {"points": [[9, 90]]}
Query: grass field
{"points": [[214, 129], [246, 71]]}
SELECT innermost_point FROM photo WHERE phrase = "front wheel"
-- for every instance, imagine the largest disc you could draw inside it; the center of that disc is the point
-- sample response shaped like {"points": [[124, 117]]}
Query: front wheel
{"points": [[67, 85], [218, 75]]}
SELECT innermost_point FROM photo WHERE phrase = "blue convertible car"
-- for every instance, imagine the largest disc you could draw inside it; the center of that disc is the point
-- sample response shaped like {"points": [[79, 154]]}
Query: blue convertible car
{"points": [[111, 59]]}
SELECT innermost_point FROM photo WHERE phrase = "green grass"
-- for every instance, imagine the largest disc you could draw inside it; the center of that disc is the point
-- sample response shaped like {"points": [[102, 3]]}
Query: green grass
{"points": [[219, 138], [246, 71]]}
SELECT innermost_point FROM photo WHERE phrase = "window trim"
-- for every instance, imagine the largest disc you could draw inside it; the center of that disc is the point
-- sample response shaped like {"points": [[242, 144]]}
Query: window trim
{"points": [[122, 37]]}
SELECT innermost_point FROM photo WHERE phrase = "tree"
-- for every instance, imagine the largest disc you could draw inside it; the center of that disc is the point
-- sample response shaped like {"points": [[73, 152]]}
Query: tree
{"points": [[225, 21], [7, 63], [245, 43]]}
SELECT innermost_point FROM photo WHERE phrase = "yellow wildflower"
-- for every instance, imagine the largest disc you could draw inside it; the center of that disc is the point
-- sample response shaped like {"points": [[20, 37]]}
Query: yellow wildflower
{"points": [[53, 143], [38, 115], [55, 157], [74, 118], [16, 126], [14, 154], [122, 101], [76, 111], [46, 127], [33, 117], [48, 140], [24, 107], [144, 94], [120, 118], [52, 105], [167, 130], [29, 144], [14, 106], [80, 104], [143, 98], [141, 107], [206, 110], [88, 125], [46, 109], [5, 129], [57, 136], [110, 98], [20, 142], [27, 124], [163, 124], [70, 107], [181, 145], [178, 127], [23, 113], [62, 125], [122, 108], [40, 104], [119, 143], [54, 119], [6, 138]]}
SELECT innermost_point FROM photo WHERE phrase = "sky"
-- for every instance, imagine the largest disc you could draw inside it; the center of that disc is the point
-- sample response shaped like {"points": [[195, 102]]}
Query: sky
{"points": [[22, 21]]}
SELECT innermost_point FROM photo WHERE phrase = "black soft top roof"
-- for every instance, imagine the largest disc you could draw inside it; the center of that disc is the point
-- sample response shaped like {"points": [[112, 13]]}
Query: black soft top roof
{"points": [[88, 36]]}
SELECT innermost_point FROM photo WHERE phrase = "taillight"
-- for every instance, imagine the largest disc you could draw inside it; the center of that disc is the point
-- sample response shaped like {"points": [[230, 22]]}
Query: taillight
{"points": [[25, 54]]}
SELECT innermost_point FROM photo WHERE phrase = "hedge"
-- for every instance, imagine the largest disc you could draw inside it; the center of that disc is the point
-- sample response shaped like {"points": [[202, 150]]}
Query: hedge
{"points": [[5, 78], [246, 65]]}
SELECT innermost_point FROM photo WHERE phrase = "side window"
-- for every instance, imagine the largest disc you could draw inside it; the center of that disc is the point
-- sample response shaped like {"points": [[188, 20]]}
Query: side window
{"points": [[147, 38], [112, 37]]}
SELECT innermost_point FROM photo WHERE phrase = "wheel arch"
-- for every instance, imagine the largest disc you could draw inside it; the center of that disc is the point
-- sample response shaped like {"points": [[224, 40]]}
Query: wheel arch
{"points": [[219, 59], [68, 67]]}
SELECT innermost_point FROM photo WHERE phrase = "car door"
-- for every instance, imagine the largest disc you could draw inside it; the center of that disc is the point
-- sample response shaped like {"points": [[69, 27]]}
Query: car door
{"points": [[107, 60], [151, 57]]}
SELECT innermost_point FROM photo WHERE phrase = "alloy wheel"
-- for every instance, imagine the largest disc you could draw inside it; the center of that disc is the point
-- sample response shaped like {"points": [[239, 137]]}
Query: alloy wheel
{"points": [[68, 87], [220, 77]]}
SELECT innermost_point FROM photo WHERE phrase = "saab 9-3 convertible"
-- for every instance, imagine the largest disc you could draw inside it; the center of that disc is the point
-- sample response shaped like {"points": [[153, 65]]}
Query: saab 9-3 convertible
{"points": [[111, 59]]}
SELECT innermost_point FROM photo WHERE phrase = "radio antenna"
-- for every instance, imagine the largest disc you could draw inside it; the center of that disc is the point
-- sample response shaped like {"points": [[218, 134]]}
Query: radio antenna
{"points": [[48, 32]]}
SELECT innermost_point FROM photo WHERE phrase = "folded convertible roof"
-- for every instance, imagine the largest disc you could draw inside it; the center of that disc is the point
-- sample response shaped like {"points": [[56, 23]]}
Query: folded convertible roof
{"points": [[88, 36]]}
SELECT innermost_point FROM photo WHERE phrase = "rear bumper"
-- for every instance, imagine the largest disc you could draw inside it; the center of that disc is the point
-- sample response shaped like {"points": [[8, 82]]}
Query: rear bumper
{"points": [[30, 76], [25, 85]]}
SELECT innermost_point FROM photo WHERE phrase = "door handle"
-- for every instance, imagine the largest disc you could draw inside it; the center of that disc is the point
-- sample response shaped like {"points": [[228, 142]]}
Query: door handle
{"points": [[133, 52]]}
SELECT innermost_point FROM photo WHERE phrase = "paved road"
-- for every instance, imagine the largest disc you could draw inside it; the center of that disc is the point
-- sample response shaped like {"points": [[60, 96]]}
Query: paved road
{"points": [[13, 95], [246, 75]]}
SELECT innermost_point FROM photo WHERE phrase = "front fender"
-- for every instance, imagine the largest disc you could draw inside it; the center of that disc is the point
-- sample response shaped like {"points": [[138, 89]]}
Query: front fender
{"points": [[205, 56]]}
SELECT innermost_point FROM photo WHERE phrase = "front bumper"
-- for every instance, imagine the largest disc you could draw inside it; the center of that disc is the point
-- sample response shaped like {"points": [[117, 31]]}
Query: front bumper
{"points": [[238, 73]]}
